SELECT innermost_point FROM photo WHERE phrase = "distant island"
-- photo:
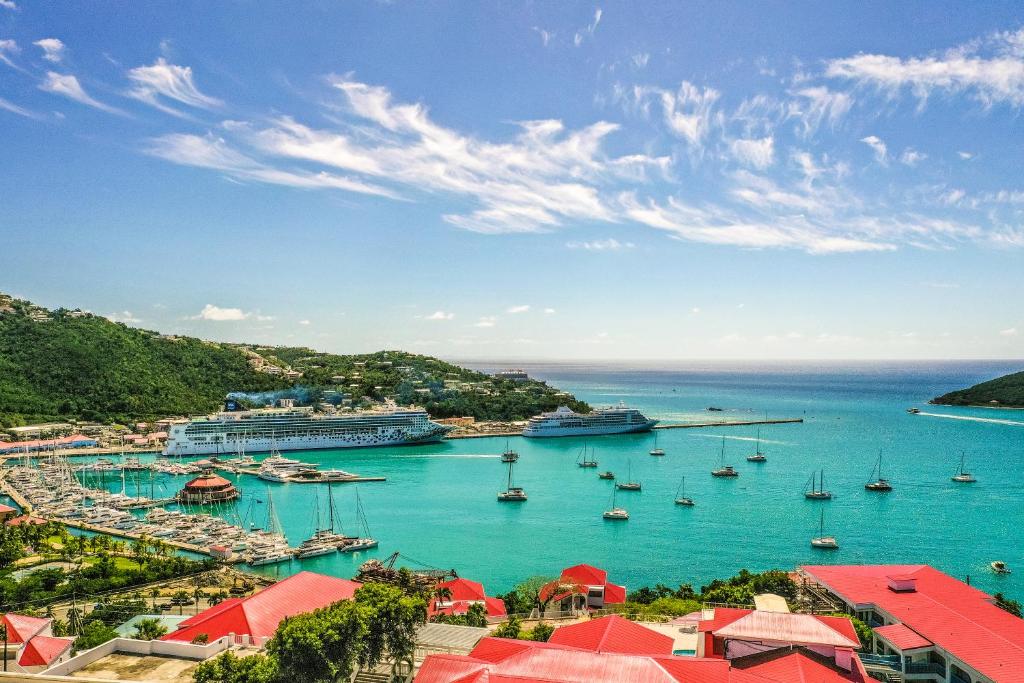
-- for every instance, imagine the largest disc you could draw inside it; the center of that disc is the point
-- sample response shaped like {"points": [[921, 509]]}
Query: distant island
{"points": [[70, 364], [1005, 392]]}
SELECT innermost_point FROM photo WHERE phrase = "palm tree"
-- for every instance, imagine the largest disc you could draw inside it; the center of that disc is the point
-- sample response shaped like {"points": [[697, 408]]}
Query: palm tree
{"points": [[149, 629], [154, 593]]}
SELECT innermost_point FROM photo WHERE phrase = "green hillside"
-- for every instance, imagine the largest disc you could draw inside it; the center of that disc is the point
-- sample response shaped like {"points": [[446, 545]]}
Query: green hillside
{"points": [[73, 365], [1006, 391]]}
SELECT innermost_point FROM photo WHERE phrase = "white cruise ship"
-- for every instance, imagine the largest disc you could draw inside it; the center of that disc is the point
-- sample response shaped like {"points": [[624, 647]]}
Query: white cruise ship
{"points": [[565, 422], [295, 428]]}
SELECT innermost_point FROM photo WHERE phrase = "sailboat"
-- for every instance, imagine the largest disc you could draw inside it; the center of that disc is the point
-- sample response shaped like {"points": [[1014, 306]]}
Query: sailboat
{"points": [[582, 460], [512, 494], [276, 549], [366, 541], [821, 540], [818, 491], [315, 545], [963, 476], [607, 474], [656, 450], [509, 455], [881, 484], [629, 484], [723, 469], [757, 455], [681, 497], [615, 513]]}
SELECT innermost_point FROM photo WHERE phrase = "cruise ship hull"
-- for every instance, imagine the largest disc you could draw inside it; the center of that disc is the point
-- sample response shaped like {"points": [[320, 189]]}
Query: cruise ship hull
{"points": [[602, 430], [180, 449]]}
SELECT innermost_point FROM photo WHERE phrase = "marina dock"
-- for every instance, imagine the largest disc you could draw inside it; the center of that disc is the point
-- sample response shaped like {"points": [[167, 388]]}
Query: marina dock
{"points": [[85, 526]]}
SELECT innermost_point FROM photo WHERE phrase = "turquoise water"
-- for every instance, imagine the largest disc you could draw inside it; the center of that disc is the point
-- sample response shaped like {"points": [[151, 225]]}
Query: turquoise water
{"points": [[438, 505]]}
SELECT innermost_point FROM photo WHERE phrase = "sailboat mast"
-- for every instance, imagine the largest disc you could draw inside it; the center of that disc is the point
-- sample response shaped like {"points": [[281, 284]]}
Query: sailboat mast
{"points": [[330, 504]]}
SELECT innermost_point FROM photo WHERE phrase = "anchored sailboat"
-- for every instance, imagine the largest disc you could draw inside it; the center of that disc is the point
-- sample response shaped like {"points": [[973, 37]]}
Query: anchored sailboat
{"points": [[629, 484], [821, 540], [757, 455], [615, 513], [512, 494], [509, 455], [656, 450], [724, 470], [364, 542], [881, 484], [817, 491], [681, 497], [963, 476], [582, 459]]}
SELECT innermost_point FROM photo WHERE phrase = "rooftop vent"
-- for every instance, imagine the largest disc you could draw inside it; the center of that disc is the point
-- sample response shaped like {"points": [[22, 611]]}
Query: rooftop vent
{"points": [[902, 583]]}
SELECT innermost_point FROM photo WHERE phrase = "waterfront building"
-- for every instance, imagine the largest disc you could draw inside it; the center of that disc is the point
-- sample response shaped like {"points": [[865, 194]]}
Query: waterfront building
{"points": [[614, 650], [208, 488], [254, 619], [299, 428], [927, 625], [462, 594], [585, 587], [7, 513], [36, 445], [566, 422], [31, 646]]}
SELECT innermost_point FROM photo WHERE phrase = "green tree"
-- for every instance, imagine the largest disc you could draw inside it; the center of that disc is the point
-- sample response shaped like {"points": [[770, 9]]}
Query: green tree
{"points": [[541, 632], [537, 592], [392, 619], [94, 633], [229, 668], [1011, 606], [476, 615], [149, 629], [321, 646], [512, 628]]}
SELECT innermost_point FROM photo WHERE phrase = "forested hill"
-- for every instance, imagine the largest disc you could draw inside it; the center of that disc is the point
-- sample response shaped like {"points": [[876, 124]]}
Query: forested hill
{"points": [[67, 364], [1006, 391]]}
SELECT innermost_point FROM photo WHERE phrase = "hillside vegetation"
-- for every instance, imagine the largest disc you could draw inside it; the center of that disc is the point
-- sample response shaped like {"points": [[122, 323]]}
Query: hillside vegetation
{"points": [[1006, 391], [66, 364]]}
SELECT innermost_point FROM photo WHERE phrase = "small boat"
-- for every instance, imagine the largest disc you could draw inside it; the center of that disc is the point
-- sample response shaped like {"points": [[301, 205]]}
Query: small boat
{"points": [[656, 450], [818, 491], [724, 470], [821, 540], [314, 550], [713, 409], [509, 455], [511, 494], [963, 476], [607, 474], [757, 455], [681, 497], [582, 460], [999, 567], [358, 544], [629, 485], [913, 411], [881, 484], [270, 558], [615, 513]]}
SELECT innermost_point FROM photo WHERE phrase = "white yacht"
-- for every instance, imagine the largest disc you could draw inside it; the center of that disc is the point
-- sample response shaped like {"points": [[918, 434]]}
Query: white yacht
{"points": [[566, 422], [299, 428]]}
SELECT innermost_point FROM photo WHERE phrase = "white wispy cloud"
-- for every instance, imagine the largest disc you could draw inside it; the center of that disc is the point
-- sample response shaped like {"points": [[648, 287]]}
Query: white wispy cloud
{"points": [[966, 156], [486, 321], [816, 105], [124, 317], [221, 314], [68, 86], [15, 109], [549, 311], [9, 48], [991, 70], [164, 80], [1009, 332], [589, 29], [545, 36], [518, 309], [759, 153], [53, 49], [304, 322], [8, 4], [640, 59], [878, 147], [609, 244], [688, 111], [912, 157], [439, 315]]}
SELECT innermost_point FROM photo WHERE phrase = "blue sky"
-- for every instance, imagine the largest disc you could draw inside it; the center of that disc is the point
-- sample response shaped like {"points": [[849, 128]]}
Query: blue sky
{"points": [[523, 180]]}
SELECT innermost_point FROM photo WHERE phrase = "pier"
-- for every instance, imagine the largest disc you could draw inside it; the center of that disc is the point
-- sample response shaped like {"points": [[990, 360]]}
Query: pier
{"points": [[85, 526]]}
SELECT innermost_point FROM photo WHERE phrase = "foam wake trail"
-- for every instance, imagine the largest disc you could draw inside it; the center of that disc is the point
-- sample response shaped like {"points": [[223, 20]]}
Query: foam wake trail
{"points": [[969, 418]]}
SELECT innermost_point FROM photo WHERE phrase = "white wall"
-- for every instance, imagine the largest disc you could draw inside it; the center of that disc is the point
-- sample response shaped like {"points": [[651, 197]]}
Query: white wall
{"points": [[163, 648]]}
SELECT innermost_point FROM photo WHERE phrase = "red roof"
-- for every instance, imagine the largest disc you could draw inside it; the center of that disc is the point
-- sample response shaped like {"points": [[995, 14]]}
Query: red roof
{"points": [[795, 629], [723, 616], [797, 666], [6, 508], [42, 650], [208, 481], [21, 628], [259, 614], [464, 589], [613, 634], [465, 593], [516, 661], [586, 575], [958, 618], [25, 519], [902, 637]]}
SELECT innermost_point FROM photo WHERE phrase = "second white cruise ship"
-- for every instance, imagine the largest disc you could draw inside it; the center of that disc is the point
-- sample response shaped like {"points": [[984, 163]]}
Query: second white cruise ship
{"points": [[297, 428], [566, 422]]}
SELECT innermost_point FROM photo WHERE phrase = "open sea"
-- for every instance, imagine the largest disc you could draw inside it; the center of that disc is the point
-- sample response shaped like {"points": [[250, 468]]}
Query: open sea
{"points": [[438, 507]]}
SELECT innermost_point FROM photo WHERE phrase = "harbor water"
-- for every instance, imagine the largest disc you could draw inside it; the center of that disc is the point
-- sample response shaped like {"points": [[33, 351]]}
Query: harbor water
{"points": [[438, 507]]}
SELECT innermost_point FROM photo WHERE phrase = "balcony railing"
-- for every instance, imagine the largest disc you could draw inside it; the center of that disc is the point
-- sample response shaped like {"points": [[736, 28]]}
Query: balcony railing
{"points": [[926, 668], [884, 661]]}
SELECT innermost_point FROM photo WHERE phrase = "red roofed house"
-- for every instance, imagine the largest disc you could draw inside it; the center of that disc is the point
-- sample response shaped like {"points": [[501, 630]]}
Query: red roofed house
{"points": [[588, 588], [25, 519], [463, 594], [614, 650], [7, 512], [31, 645], [734, 634], [928, 625], [256, 617]]}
